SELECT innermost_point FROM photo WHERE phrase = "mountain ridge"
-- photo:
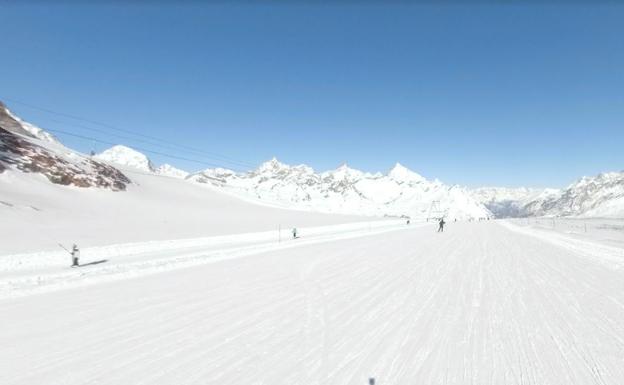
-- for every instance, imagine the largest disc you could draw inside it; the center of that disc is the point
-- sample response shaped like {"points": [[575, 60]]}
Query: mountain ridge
{"points": [[399, 192]]}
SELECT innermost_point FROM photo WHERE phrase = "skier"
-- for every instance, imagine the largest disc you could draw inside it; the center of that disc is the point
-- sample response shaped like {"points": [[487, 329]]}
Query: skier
{"points": [[408, 221], [441, 228], [294, 231], [75, 253]]}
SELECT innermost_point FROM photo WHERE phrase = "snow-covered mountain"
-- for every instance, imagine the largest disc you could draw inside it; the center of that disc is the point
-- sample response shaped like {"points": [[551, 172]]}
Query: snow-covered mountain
{"points": [[506, 202], [346, 190], [28, 149], [128, 157], [598, 196]]}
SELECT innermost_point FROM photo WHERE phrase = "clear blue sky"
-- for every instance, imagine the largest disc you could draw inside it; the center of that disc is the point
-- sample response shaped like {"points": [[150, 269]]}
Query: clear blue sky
{"points": [[475, 95]]}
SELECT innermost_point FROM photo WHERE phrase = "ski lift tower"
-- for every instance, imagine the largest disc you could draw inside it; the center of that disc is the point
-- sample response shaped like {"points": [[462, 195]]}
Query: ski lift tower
{"points": [[92, 153], [435, 212]]}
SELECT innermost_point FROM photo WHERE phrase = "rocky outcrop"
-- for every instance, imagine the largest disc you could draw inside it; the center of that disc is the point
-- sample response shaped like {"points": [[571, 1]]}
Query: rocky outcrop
{"points": [[26, 156], [12, 123]]}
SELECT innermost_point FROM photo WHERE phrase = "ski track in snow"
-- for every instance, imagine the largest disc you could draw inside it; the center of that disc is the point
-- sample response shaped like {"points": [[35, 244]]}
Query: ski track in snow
{"points": [[481, 304]]}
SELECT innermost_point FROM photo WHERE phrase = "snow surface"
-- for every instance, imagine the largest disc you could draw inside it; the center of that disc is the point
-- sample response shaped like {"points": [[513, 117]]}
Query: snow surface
{"points": [[484, 303], [608, 231]]}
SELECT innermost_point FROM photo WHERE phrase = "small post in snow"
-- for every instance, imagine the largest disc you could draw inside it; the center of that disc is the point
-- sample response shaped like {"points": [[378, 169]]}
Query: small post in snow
{"points": [[585, 224]]}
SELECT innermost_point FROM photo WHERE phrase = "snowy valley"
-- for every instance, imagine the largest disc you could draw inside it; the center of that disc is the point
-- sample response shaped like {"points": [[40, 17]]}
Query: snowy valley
{"points": [[208, 265]]}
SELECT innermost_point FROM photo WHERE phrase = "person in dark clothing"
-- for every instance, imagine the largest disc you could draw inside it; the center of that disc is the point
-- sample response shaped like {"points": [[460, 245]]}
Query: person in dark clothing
{"points": [[441, 228]]}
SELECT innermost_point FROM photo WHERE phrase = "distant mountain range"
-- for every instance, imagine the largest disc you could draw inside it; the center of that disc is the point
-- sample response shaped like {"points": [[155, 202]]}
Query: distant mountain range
{"points": [[400, 192]]}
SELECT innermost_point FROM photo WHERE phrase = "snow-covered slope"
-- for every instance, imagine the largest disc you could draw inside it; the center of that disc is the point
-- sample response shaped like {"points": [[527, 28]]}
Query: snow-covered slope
{"points": [[346, 190], [598, 196], [36, 214], [169, 170]]}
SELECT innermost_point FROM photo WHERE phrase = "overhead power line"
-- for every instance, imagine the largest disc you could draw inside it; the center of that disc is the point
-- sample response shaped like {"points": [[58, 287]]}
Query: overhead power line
{"points": [[213, 155], [140, 149], [151, 143]]}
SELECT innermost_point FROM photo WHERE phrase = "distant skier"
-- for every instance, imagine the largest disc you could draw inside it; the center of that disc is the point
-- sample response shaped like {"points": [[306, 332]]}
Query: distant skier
{"points": [[294, 232], [408, 221], [75, 254], [441, 227]]}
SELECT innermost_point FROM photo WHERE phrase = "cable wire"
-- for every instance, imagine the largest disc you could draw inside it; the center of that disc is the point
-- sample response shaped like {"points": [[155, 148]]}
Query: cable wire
{"points": [[154, 138]]}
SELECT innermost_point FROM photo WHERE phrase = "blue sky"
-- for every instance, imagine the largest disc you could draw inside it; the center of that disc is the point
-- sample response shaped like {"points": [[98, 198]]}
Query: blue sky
{"points": [[476, 95]]}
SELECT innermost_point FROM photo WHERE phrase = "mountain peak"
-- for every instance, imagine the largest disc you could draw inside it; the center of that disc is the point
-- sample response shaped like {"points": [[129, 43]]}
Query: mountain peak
{"points": [[403, 174], [272, 165], [126, 156], [343, 166], [344, 172]]}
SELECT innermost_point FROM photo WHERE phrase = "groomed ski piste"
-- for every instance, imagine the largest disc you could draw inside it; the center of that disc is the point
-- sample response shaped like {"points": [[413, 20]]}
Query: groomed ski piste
{"points": [[493, 302], [23, 274]]}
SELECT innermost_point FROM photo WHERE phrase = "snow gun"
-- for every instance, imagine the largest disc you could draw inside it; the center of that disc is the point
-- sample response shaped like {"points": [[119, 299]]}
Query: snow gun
{"points": [[63, 247]]}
